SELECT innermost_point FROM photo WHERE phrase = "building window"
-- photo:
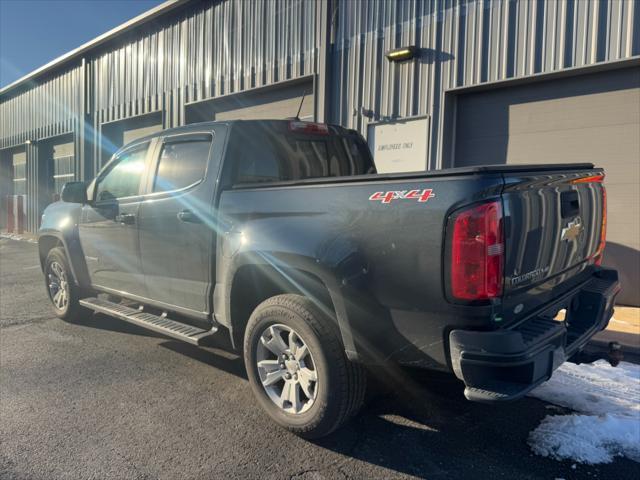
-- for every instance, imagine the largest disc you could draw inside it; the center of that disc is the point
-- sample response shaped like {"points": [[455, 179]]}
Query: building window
{"points": [[62, 171], [20, 175]]}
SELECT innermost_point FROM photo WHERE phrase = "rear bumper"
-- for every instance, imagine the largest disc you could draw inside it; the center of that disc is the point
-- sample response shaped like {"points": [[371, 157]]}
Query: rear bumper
{"points": [[506, 364]]}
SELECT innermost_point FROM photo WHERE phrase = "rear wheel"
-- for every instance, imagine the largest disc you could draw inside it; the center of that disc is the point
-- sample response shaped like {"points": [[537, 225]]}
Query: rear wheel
{"points": [[63, 292], [298, 369]]}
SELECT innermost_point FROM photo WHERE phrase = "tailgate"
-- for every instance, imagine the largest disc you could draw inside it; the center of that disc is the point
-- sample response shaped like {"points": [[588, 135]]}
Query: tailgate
{"points": [[553, 229]]}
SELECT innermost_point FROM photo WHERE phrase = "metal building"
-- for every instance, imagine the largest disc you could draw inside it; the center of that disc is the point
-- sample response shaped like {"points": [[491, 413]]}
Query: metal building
{"points": [[487, 81]]}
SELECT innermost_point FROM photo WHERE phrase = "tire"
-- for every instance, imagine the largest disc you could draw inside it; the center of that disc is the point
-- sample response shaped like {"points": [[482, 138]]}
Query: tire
{"points": [[339, 389], [57, 266]]}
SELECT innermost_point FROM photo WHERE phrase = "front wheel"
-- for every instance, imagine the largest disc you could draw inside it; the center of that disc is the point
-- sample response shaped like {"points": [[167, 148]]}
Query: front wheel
{"points": [[297, 367], [63, 292]]}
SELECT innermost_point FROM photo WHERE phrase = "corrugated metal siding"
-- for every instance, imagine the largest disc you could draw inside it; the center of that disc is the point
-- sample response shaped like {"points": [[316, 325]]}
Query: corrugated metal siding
{"points": [[464, 43], [206, 52], [50, 108]]}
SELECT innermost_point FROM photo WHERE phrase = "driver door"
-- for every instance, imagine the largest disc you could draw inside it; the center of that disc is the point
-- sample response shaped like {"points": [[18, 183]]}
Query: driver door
{"points": [[109, 223]]}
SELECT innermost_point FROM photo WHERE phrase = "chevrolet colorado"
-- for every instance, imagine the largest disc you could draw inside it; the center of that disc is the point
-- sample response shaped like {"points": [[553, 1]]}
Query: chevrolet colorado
{"points": [[281, 235]]}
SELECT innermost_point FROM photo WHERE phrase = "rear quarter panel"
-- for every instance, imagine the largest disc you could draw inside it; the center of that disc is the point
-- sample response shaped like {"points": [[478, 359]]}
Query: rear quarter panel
{"points": [[382, 262]]}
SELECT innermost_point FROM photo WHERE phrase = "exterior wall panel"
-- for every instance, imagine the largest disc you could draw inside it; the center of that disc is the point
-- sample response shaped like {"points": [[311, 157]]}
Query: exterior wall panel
{"points": [[464, 43], [205, 52], [50, 108]]}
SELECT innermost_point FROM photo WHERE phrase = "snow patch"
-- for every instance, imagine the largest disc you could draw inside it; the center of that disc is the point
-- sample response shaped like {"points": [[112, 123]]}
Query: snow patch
{"points": [[15, 236], [608, 423], [587, 438]]}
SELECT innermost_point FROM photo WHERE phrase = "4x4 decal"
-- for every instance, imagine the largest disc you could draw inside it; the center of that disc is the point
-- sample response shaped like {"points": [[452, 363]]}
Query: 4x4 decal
{"points": [[387, 197]]}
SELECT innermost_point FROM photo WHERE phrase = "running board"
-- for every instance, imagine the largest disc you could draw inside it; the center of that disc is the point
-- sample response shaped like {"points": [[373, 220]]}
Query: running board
{"points": [[157, 323]]}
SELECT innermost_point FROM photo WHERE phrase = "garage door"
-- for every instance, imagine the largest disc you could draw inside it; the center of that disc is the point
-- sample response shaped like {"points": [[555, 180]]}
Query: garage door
{"points": [[264, 103], [587, 118]]}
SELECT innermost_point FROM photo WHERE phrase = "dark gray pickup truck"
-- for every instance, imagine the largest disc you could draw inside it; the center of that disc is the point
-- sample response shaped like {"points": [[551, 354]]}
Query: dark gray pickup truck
{"points": [[281, 235]]}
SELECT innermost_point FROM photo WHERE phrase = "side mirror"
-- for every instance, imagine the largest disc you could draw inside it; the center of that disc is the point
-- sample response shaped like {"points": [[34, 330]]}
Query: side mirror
{"points": [[74, 192]]}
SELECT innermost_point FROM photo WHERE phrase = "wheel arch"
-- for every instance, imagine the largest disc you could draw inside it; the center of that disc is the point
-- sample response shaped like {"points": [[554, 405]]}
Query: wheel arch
{"points": [[45, 244], [47, 240], [252, 282]]}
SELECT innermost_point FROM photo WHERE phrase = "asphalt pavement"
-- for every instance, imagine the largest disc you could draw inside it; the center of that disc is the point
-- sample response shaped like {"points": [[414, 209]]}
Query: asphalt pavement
{"points": [[103, 399]]}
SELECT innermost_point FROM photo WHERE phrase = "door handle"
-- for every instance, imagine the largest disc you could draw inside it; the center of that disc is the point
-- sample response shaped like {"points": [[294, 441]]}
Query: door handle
{"points": [[188, 216], [126, 218]]}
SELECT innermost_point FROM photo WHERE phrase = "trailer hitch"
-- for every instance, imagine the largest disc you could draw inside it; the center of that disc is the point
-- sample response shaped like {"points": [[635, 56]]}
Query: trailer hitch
{"points": [[613, 355]]}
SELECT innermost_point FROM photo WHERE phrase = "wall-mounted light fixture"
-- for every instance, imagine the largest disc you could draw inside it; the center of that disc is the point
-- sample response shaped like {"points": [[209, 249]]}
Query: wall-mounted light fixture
{"points": [[402, 54]]}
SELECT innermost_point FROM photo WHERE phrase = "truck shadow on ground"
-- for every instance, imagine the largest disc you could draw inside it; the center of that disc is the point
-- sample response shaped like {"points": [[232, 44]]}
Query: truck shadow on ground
{"points": [[416, 422]]}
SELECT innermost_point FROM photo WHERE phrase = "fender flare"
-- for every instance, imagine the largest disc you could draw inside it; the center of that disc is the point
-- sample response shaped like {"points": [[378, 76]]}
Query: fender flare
{"points": [[302, 264], [73, 250]]}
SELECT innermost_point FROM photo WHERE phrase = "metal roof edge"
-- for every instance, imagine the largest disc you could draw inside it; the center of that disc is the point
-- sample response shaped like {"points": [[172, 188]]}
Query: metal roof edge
{"points": [[109, 35], [619, 63]]}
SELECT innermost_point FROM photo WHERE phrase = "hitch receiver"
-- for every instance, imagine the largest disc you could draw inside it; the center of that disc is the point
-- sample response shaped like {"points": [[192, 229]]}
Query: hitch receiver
{"points": [[613, 355]]}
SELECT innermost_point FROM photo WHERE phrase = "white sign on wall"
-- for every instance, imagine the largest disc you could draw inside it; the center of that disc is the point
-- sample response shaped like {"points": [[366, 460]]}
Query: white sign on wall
{"points": [[400, 145]]}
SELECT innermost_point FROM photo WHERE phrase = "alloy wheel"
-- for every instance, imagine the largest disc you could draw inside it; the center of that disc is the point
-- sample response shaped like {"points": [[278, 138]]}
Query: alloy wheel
{"points": [[58, 285], [286, 368]]}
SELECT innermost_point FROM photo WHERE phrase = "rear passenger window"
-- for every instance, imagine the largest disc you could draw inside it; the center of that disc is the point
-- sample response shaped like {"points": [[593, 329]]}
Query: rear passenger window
{"points": [[258, 166], [183, 162]]}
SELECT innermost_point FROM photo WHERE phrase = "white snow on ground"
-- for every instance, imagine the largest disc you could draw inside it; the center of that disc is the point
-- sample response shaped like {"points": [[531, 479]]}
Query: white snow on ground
{"points": [[608, 423], [15, 236]]}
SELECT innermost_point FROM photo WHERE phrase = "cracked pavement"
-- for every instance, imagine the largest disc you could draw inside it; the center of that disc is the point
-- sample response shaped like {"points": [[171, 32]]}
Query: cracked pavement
{"points": [[105, 399]]}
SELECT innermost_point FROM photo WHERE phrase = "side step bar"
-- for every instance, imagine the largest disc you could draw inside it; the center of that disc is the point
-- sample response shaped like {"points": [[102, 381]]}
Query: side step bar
{"points": [[157, 323]]}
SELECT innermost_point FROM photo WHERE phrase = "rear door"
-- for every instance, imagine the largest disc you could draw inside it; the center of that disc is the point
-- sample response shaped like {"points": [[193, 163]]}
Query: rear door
{"points": [[109, 223], [178, 222]]}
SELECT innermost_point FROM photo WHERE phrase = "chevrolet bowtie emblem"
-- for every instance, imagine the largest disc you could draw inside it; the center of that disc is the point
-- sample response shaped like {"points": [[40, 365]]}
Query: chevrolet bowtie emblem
{"points": [[572, 230]]}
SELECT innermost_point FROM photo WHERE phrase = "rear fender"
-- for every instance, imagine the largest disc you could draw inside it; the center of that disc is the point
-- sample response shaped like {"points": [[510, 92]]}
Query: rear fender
{"points": [[295, 274]]}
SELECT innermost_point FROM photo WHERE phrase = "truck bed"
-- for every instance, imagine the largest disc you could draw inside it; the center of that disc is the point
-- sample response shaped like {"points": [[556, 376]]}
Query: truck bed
{"points": [[446, 172]]}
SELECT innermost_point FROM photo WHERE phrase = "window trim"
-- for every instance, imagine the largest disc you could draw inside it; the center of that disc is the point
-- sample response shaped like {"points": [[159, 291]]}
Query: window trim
{"points": [[109, 165], [155, 162]]}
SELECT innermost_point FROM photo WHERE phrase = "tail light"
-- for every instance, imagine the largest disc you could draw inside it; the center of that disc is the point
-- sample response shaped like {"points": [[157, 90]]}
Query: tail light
{"points": [[603, 230], [308, 127], [477, 253]]}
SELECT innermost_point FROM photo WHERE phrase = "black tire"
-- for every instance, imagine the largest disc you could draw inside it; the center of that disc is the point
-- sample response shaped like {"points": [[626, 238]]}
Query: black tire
{"points": [[71, 310], [341, 384]]}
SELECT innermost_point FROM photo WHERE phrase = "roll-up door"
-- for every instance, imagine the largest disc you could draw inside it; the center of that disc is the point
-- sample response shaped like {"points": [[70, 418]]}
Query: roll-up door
{"points": [[585, 118]]}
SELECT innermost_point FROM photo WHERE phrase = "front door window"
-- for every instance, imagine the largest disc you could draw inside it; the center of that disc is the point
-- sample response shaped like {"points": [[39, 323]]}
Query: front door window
{"points": [[122, 179]]}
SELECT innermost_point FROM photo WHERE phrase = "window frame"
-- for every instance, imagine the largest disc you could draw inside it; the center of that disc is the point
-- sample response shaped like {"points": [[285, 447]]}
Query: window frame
{"points": [[198, 135], [114, 160]]}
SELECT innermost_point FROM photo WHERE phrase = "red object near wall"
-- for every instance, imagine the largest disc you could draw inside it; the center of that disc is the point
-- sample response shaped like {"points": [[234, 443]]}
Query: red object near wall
{"points": [[10, 216], [20, 214]]}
